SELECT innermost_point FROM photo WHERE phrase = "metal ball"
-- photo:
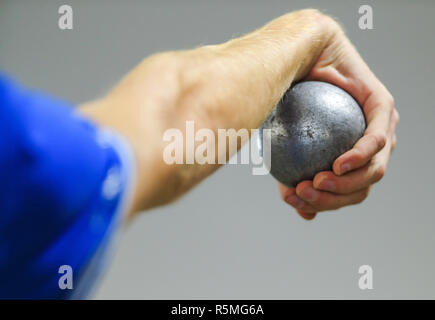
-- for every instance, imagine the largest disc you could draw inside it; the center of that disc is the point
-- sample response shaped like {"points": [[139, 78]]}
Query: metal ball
{"points": [[313, 124]]}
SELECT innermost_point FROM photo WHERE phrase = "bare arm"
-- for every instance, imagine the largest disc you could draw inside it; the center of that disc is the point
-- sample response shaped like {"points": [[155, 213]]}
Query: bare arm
{"points": [[231, 85]]}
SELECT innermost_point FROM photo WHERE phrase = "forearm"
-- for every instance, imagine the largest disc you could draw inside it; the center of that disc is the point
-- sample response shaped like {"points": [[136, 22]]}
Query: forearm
{"points": [[236, 84], [232, 85]]}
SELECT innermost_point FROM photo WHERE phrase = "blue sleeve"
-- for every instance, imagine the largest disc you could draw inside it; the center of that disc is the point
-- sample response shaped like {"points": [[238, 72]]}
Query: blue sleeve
{"points": [[64, 185]]}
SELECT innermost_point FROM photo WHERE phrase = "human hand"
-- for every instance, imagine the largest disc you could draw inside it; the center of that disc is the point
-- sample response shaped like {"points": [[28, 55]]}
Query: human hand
{"points": [[354, 172]]}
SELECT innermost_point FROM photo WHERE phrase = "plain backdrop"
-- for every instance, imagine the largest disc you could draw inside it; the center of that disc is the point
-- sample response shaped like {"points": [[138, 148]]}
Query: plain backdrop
{"points": [[232, 236]]}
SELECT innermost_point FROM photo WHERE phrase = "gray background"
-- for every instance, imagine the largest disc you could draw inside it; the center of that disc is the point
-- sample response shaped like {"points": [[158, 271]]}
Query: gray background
{"points": [[232, 237]]}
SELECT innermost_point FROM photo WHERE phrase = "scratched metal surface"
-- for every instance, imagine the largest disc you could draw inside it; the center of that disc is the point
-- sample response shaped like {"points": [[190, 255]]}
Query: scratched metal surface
{"points": [[313, 124]]}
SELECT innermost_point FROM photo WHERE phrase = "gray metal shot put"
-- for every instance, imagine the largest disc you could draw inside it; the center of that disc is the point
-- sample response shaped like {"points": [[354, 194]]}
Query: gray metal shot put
{"points": [[313, 124]]}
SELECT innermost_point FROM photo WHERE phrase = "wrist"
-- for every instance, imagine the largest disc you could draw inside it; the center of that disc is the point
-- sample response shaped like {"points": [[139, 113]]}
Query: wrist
{"points": [[318, 34]]}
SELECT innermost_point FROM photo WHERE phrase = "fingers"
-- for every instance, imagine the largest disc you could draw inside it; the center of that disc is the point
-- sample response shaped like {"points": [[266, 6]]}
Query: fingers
{"points": [[308, 201], [379, 111], [323, 201], [355, 171], [283, 190], [353, 181], [363, 177], [357, 180], [304, 210], [360, 154], [291, 198], [306, 215]]}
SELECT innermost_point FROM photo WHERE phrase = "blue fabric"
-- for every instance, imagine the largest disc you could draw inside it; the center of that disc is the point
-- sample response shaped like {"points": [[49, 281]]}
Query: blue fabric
{"points": [[63, 182]]}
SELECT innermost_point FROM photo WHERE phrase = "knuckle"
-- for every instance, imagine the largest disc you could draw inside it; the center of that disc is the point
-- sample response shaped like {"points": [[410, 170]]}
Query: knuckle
{"points": [[320, 204], [363, 195], [358, 155], [396, 116], [390, 100], [379, 173], [379, 139]]}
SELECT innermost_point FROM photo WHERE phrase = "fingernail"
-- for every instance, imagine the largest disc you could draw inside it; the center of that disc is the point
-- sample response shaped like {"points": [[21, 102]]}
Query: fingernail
{"points": [[295, 201], [309, 194], [345, 168], [327, 185]]}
